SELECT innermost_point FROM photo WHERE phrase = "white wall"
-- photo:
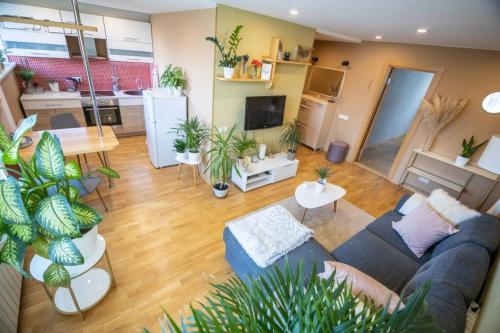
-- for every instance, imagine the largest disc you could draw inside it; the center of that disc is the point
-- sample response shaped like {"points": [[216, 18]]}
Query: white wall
{"points": [[401, 102]]}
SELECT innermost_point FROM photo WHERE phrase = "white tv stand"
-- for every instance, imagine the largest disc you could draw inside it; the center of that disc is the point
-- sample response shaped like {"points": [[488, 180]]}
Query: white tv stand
{"points": [[264, 172]]}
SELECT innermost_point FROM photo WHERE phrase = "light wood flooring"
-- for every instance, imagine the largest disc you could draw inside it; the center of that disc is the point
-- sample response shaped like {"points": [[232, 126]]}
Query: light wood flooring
{"points": [[164, 238], [380, 156]]}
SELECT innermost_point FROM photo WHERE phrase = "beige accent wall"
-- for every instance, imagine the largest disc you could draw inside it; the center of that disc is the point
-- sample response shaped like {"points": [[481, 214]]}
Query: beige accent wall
{"points": [[257, 33], [178, 39]]}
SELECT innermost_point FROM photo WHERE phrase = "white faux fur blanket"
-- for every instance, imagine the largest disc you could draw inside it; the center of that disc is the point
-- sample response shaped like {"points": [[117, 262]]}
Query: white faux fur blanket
{"points": [[269, 234]]}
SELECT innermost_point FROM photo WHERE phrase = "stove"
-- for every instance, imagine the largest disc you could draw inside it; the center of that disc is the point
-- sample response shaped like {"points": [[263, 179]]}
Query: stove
{"points": [[103, 97], [98, 93], [107, 103]]}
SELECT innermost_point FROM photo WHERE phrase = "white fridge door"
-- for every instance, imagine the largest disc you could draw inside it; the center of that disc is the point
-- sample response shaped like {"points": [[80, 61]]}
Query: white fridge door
{"points": [[168, 113], [151, 139]]}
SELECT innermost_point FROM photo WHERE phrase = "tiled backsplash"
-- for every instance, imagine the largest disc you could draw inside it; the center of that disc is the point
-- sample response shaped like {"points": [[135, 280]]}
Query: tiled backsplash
{"points": [[58, 69]]}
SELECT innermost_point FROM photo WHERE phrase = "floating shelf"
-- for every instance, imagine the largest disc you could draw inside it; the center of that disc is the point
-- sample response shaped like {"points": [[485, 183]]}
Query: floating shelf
{"points": [[300, 63], [242, 80]]}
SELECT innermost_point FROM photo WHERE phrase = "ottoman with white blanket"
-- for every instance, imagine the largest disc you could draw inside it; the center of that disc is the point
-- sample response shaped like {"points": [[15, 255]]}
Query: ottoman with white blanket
{"points": [[271, 236]]}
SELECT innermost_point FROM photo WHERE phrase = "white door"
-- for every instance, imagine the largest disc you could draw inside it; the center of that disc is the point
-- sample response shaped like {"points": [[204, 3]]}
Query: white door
{"points": [[128, 30], [87, 19]]}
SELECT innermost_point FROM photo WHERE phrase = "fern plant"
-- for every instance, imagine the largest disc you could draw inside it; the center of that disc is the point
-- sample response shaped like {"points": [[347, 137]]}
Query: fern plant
{"points": [[468, 148], [284, 301], [229, 58], [41, 208]]}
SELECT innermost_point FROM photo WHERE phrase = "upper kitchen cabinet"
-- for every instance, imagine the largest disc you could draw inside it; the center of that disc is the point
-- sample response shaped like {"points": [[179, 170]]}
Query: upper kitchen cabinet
{"points": [[32, 12], [127, 30], [87, 19]]}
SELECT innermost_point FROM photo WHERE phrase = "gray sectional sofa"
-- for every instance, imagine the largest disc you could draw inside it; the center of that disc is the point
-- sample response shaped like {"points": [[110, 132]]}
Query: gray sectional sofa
{"points": [[457, 265]]}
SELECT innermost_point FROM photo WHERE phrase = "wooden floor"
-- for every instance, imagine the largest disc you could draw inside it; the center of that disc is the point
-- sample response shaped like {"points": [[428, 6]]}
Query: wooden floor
{"points": [[164, 238]]}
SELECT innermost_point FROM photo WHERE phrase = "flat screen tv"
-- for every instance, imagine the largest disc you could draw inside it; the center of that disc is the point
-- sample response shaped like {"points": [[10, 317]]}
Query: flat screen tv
{"points": [[264, 112]]}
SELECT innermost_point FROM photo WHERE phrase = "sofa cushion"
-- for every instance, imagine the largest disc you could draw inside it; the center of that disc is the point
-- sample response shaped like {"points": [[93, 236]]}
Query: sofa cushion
{"points": [[382, 227], [449, 207], [483, 230], [377, 258], [401, 202], [463, 268], [311, 252]]}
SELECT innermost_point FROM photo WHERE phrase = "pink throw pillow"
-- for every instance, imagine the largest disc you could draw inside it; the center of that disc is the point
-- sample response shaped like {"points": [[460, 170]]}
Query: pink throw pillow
{"points": [[362, 283], [422, 228]]}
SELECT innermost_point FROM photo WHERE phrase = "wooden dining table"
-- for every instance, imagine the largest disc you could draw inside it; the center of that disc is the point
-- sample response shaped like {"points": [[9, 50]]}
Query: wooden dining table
{"points": [[76, 141]]}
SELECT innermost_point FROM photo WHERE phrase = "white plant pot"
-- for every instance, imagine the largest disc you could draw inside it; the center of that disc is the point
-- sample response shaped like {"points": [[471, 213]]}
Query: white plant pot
{"points": [[87, 243], [181, 156], [262, 151], [291, 155], [241, 162], [220, 193], [228, 72], [194, 157], [177, 91], [461, 161], [318, 187]]}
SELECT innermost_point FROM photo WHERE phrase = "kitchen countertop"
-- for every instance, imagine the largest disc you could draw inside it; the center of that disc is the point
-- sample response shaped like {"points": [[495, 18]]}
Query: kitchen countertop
{"points": [[47, 95]]}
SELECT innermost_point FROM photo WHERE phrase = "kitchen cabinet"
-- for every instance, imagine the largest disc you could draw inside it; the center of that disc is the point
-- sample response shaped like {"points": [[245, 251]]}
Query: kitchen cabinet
{"points": [[34, 44], [47, 108], [315, 118], [44, 115], [133, 119], [32, 12], [130, 51], [128, 30], [87, 19]]}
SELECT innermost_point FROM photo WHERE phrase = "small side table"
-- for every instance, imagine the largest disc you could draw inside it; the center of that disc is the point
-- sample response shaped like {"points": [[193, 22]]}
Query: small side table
{"points": [[89, 284], [193, 164], [308, 198]]}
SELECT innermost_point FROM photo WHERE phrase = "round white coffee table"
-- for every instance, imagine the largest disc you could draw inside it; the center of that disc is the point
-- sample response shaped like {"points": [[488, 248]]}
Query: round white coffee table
{"points": [[307, 197]]}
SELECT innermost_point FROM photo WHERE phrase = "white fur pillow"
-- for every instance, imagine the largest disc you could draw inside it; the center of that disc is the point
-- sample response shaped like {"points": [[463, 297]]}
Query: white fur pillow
{"points": [[449, 207]]}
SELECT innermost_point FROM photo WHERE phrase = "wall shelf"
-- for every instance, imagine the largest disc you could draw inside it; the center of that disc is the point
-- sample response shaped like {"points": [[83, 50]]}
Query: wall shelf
{"points": [[299, 63], [220, 78]]}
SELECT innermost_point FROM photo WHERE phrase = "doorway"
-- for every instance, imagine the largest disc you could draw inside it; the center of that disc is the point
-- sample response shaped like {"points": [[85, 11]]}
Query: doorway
{"points": [[401, 98]]}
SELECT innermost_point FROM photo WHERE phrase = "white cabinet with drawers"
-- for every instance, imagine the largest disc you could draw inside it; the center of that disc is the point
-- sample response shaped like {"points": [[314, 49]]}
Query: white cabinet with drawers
{"points": [[128, 30], [315, 118]]}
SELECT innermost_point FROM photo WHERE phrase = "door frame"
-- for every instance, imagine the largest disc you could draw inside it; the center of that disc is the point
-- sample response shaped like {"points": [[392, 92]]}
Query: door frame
{"points": [[375, 104]]}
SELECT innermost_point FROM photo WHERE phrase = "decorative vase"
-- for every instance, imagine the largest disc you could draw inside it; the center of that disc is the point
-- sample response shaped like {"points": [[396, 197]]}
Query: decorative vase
{"points": [[87, 243], [262, 151], [194, 156], [222, 192], [228, 72], [319, 187], [461, 161], [177, 91], [291, 155], [180, 156]]}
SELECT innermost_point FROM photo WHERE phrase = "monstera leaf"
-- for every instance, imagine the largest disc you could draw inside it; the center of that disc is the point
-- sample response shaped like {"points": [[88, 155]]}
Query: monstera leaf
{"points": [[63, 251], [49, 158], [72, 170], [13, 253], [56, 216], [12, 208], [24, 232], [56, 275], [86, 216], [11, 153], [41, 246]]}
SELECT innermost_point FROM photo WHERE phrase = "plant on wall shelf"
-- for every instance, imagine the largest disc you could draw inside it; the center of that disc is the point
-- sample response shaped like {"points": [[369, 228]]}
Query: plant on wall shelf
{"points": [[285, 301], [255, 64], [221, 160], [468, 149], [229, 58], [290, 138], [41, 208]]}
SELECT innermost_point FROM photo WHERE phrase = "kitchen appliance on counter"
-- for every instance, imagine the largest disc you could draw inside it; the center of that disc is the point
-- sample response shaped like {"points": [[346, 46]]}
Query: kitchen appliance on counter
{"points": [[72, 84], [162, 112], [107, 104]]}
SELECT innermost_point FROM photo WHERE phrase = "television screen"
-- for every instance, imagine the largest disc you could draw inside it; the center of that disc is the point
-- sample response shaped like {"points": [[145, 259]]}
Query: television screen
{"points": [[264, 112]]}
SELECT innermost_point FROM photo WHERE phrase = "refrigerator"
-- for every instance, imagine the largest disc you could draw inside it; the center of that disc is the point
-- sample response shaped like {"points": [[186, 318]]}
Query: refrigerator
{"points": [[162, 112]]}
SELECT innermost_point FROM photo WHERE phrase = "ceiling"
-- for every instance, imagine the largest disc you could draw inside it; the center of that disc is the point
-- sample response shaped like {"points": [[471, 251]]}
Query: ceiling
{"points": [[458, 23]]}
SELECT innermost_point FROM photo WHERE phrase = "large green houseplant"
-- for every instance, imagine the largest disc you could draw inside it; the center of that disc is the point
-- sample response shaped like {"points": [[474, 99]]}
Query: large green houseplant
{"points": [[286, 302], [174, 79], [290, 138], [41, 208], [222, 159], [229, 59]]}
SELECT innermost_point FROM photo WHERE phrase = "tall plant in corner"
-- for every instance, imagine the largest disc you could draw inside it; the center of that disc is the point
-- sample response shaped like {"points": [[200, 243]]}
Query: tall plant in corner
{"points": [[229, 58], [41, 208]]}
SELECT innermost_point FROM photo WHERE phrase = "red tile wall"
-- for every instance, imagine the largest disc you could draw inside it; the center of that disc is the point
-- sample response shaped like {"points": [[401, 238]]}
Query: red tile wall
{"points": [[57, 69]]}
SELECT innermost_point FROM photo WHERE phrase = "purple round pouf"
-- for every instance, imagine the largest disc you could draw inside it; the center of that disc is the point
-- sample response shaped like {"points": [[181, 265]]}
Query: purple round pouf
{"points": [[337, 151]]}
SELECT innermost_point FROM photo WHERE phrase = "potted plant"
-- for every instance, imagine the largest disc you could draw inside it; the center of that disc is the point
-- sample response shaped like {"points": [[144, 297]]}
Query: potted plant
{"points": [[323, 172], [41, 209], [180, 148], [290, 138], [288, 301], [468, 149], [229, 59], [221, 161], [255, 64], [177, 81], [27, 76], [195, 134], [242, 144], [166, 77]]}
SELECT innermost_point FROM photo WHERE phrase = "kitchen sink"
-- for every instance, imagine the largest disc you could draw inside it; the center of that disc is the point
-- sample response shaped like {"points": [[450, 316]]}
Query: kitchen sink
{"points": [[133, 92]]}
